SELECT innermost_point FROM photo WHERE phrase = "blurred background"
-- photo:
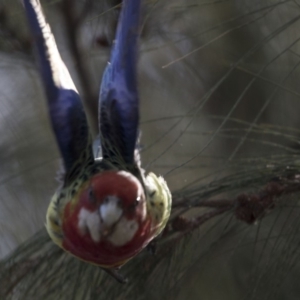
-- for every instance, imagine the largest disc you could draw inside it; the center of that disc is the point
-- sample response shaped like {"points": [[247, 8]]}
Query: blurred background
{"points": [[220, 103]]}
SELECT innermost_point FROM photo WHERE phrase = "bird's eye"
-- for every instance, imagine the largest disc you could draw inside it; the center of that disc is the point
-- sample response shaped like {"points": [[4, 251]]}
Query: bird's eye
{"points": [[135, 203]]}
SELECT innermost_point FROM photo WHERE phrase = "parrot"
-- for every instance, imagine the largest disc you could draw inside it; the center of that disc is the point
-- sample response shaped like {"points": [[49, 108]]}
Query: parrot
{"points": [[107, 209]]}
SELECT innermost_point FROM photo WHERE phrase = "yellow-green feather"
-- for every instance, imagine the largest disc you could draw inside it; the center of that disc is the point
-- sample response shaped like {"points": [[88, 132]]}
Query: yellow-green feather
{"points": [[59, 201], [159, 202], [53, 222]]}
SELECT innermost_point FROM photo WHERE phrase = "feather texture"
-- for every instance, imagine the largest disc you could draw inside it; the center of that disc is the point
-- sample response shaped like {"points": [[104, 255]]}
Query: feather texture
{"points": [[119, 100], [65, 107]]}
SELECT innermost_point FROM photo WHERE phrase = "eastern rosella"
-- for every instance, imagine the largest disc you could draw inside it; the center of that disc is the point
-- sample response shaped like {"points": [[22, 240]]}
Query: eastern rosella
{"points": [[107, 209]]}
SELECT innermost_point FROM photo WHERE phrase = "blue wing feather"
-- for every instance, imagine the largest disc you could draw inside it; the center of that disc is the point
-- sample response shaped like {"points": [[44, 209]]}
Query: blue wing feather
{"points": [[65, 107], [119, 101]]}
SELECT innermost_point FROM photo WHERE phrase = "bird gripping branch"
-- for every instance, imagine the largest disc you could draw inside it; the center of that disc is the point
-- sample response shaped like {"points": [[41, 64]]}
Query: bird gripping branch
{"points": [[108, 209]]}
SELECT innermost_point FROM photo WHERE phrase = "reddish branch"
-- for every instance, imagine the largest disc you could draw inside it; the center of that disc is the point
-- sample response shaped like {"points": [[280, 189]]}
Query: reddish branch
{"points": [[246, 207]]}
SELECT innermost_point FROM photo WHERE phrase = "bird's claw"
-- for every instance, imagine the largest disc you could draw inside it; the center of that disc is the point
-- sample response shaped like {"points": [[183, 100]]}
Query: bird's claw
{"points": [[116, 275], [151, 247]]}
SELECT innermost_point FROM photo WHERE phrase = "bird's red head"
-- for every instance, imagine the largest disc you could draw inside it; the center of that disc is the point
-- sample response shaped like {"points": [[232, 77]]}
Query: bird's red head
{"points": [[106, 223]]}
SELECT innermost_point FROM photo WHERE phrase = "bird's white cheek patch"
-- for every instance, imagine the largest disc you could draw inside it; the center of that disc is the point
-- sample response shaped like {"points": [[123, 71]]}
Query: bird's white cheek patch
{"points": [[91, 221], [110, 212], [123, 232]]}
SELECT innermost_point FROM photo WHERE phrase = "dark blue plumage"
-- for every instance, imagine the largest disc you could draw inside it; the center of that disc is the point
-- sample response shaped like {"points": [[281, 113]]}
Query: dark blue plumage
{"points": [[65, 108], [119, 102], [101, 214]]}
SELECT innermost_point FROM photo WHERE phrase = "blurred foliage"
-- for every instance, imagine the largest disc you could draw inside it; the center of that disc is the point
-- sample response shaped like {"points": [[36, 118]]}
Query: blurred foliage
{"points": [[219, 85]]}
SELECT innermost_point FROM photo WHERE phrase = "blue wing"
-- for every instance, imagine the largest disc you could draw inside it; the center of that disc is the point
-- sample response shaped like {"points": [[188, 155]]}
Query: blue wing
{"points": [[65, 108], [119, 101]]}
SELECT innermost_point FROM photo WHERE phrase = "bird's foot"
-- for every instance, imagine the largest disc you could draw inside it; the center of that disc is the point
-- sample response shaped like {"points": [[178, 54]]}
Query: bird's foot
{"points": [[116, 275], [151, 247]]}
